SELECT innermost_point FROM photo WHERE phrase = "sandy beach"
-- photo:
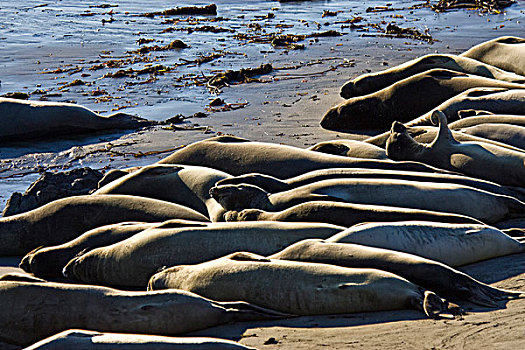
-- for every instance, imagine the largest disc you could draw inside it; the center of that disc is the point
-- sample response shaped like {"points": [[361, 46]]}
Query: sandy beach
{"points": [[285, 106]]}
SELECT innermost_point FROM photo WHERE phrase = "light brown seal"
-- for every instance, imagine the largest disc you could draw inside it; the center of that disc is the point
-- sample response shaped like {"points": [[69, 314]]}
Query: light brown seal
{"points": [[513, 135], [432, 275], [450, 244], [30, 312], [182, 184], [344, 214], [237, 156], [49, 261], [405, 100], [350, 148], [487, 118], [371, 82], [506, 52], [481, 160], [23, 120], [298, 287], [132, 261], [65, 219], [441, 197], [80, 339]]}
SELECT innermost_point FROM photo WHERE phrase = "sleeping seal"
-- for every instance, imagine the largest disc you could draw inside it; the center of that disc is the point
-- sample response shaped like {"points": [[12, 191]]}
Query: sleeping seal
{"points": [[441, 197], [513, 135], [298, 287], [344, 214], [49, 261], [487, 118], [79, 339], [238, 156], [481, 160], [451, 244], [405, 100], [506, 52], [65, 219], [30, 312], [23, 120], [131, 262], [429, 274], [371, 82], [350, 148], [182, 184]]}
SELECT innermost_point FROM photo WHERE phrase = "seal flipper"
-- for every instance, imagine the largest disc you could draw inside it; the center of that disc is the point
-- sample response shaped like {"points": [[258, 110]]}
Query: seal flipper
{"points": [[444, 134], [243, 311], [434, 306]]}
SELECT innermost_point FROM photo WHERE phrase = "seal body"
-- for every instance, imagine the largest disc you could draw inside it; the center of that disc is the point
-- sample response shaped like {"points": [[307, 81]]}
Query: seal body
{"points": [[482, 160], [132, 261], [181, 184], [84, 340], [296, 287], [451, 244], [506, 52], [344, 214], [238, 156], [513, 135], [405, 100], [432, 275], [23, 120], [44, 309], [441, 197], [371, 82], [350, 148], [65, 219]]}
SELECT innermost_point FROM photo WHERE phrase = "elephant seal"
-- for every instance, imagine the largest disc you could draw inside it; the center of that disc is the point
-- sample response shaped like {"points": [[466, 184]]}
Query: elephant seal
{"points": [[182, 184], [237, 156], [494, 100], [481, 160], [432, 275], [65, 219], [405, 100], [80, 339], [506, 52], [513, 135], [131, 262], [442, 197], [49, 261], [298, 287], [350, 148], [271, 184], [23, 120], [488, 118], [450, 244], [344, 214], [372, 82], [30, 312]]}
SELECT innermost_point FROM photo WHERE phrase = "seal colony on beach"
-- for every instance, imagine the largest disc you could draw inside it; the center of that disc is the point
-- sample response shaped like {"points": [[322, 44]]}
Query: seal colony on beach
{"points": [[239, 230]]}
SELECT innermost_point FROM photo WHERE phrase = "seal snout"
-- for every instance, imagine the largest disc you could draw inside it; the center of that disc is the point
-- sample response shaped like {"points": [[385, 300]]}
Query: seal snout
{"points": [[398, 127], [68, 270]]}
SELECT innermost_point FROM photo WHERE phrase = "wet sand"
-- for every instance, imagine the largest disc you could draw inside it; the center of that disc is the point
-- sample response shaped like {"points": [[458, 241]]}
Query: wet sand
{"points": [[287, 109]]}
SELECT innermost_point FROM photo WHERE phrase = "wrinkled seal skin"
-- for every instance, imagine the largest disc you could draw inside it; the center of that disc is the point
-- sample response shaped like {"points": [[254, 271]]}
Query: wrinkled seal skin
{"points": [[429, 274], [344, 214], [297, 287], [49, 261], [513, 135], [450, 244], [23, 120], [181, 184], [350, 148], [30, 312], [65, 219], [371, 82], [442, 197], [481, 160], [506, 52], [494, 100], [133, 261], [271, 184], [405, 100], [238, 156], [79, 339]]}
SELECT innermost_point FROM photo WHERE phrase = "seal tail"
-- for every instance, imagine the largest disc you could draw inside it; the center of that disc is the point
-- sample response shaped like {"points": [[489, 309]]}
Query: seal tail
{"points": [[243, 311], [436, 307]]}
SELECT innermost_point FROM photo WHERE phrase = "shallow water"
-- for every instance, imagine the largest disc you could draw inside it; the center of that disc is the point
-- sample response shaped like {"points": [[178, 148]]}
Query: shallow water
{"points": [[43, 36]]}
